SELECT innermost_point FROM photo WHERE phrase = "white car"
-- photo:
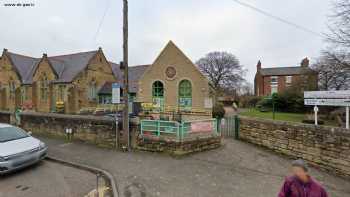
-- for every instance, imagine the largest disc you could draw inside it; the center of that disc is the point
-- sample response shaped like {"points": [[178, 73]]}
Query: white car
{"points": [[18, 149]]}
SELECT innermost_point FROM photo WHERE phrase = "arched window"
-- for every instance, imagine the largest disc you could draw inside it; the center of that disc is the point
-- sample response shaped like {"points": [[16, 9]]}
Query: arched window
{"points": [[12, 88], [44, 88], [92, 90], [158, 95], [185, 95]]}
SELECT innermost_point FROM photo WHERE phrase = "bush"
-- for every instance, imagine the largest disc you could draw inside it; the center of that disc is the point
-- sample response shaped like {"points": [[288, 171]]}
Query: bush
{"points": [[248, 101], [287, 101], [218, 111]]}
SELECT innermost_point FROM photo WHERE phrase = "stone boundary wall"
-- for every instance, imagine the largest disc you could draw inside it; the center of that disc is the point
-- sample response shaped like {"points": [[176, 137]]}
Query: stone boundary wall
{"points": [[178, 148], [5, 117], [90, 129], [324, 147]]}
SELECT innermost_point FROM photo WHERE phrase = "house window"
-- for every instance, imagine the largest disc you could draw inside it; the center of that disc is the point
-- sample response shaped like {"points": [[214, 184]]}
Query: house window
{"points": [[274, 79], [185, 94], [274, 89], [23, 94], [288, 79], [158, 95], [92, 90], [44, 88]]}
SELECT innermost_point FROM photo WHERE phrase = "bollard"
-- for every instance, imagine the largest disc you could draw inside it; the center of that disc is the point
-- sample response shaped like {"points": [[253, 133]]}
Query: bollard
{"points": [[236, 127]]}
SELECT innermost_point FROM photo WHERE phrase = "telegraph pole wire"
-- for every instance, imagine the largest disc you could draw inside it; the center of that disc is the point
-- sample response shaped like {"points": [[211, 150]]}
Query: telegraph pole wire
{"points": [[265, 13]]}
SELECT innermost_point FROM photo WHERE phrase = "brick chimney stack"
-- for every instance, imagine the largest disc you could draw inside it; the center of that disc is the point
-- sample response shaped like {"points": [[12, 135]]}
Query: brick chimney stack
{"points": [[258, 66], [305, 62]]}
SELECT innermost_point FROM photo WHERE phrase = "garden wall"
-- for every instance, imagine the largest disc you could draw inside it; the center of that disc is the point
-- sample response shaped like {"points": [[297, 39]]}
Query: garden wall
{"points": [[5, 117], [325, 147], [91, 129]]}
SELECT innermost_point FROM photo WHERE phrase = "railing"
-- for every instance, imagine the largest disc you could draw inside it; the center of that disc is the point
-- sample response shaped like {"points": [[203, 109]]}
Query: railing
{"points": [[178, 131]]}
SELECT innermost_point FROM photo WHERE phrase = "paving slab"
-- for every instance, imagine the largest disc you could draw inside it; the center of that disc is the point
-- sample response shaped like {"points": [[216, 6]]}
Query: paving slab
{"points": [[237, 169]]}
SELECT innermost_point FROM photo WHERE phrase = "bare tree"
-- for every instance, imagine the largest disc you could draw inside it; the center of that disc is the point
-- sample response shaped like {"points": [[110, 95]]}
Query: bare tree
{"points": [[223, 70], [340, 24], [333, 70]]}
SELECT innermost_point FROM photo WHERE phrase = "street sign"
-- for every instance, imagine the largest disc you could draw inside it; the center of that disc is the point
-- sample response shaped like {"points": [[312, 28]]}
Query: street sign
{"points": [[340, 94], [327, 102], [328, 98], [116, 93]]}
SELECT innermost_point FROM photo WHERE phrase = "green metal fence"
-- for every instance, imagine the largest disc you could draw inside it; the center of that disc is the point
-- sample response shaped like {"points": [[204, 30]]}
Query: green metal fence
{"points": [[177, 130]]}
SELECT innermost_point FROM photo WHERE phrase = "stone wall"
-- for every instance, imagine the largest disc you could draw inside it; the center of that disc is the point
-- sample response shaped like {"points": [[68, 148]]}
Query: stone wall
{"points": [[90, 129], [325, 147], [178, 148], [5, 117]]}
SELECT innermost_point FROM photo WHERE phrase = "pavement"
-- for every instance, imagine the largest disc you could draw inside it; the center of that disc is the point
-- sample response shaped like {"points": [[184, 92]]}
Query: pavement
{"points": [[47, 179], [237, 169]]}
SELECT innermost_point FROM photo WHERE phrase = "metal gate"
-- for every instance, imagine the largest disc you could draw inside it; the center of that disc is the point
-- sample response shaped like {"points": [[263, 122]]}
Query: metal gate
{"points": [[229, 127]]}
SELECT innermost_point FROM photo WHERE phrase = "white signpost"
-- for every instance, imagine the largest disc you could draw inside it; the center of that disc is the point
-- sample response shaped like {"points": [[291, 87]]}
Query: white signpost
{"points": [[116, 93], [328, 98]]}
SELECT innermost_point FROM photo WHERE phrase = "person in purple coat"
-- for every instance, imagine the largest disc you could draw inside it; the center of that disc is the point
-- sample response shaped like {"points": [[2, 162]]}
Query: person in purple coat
{"points": [[301, 184]]}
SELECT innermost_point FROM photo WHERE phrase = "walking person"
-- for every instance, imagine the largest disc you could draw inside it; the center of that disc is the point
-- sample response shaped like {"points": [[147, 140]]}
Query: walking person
{"points": [[301, 184]]}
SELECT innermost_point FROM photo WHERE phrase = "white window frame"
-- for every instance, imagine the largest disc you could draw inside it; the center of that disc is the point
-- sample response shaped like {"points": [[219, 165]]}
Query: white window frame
{"points": [[273, 87], [289, 79], [274, 79]]}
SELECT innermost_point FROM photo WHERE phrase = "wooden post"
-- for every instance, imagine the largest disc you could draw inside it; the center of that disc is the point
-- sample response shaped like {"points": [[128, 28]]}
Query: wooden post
{"points": [[347, 117], [126, 77]]}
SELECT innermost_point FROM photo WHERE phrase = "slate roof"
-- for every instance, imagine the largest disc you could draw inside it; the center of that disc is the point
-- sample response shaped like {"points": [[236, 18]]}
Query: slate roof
{"points": [[67, 67], [135, 73], [285, 71], [106, 88], [24, 65]]}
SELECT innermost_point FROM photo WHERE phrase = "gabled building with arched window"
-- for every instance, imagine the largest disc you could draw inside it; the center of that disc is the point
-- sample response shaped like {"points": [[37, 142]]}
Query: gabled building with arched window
{"points": [[174, 83]]}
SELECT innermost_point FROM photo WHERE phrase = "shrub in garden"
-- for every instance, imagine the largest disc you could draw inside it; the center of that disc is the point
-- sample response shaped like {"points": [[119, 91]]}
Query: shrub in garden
{"points": [[218, 111]]}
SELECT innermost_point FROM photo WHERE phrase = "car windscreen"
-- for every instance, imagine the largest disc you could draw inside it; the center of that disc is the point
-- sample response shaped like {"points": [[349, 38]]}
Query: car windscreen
{"points": [[11, 133]]}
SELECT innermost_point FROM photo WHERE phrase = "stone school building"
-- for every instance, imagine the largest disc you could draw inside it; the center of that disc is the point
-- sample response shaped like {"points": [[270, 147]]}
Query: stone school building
{"points": [[84, 80]]}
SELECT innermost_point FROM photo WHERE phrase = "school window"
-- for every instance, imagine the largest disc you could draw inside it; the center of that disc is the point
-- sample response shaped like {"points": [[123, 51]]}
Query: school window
{"points": [[92, 90], [274, 79], [44, 88], [185, 94], [60, 93], [12, 87], [158, 95]]}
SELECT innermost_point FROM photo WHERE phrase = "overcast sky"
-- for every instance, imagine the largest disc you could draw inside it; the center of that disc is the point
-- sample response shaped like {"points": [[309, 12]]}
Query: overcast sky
{"points": [[196, 26]]}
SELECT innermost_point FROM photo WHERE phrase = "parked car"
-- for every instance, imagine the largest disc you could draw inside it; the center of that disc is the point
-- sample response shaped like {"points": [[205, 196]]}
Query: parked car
{"points": [[18, 149]]}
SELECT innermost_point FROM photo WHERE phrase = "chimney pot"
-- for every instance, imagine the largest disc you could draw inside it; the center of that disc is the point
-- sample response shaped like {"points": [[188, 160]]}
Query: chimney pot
{"points": [[44, 55], [5, 50], [305, 62], [258, 66]]}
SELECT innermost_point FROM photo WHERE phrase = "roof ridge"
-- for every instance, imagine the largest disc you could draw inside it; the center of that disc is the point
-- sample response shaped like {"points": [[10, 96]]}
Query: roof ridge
{"points": [[70, 54], [36, 58]]}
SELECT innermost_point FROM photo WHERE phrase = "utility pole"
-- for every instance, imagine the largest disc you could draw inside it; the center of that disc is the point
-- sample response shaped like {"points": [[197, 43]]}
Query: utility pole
{"points": [[126, 75]]}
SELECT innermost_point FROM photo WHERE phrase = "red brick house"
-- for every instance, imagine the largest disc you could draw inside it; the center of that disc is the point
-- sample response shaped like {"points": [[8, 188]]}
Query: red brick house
{"points": [[276, 80]]}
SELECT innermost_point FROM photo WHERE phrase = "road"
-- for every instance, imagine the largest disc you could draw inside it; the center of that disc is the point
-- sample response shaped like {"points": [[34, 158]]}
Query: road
{"points": [[237, 169], [47, 179]]}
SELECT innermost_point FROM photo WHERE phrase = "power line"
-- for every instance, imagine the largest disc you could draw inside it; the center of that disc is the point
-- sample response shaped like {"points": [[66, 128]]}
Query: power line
{"points": [[102, 20], [279, 18]]}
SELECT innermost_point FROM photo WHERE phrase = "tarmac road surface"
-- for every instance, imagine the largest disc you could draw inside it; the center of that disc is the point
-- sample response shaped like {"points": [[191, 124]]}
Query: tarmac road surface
{"points": [[47, 179]]}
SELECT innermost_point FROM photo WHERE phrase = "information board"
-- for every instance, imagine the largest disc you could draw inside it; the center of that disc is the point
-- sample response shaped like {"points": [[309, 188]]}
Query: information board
{"points": [[116, 93]]}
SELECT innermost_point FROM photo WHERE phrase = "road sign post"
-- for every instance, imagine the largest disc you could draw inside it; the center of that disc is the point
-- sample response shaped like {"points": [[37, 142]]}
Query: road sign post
{"points": [[328, 98], [116, 100], [316, 111]]}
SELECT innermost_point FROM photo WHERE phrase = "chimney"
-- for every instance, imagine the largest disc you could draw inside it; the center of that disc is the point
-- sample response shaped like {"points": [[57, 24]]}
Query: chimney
{"points": [[5, 50], [100, 48], [305, 62], [258, 66], [44, 55]]}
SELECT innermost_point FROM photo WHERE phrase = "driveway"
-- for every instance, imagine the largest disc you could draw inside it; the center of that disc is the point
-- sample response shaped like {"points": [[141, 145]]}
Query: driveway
{"points": [[237, 169], [47, 179]]}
